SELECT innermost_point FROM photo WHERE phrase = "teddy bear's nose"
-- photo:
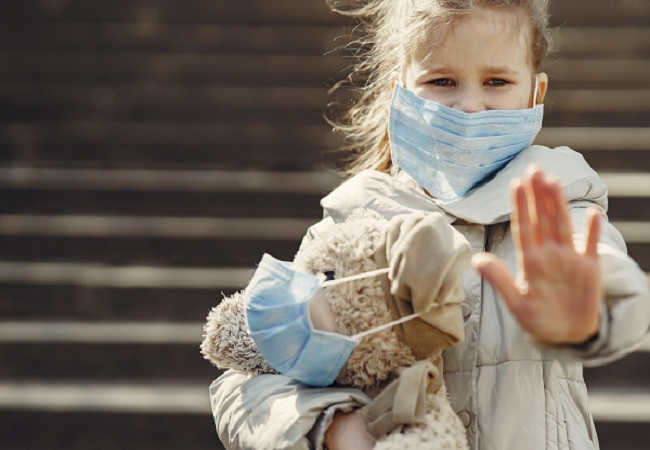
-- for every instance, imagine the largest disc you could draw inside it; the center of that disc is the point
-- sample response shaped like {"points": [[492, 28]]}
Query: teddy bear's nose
{"points": [[329, 276]]}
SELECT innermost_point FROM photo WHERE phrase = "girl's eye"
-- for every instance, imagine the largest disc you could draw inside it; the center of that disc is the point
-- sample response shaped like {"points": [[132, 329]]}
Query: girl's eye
{"points": [[442, 82], [497, 82]]}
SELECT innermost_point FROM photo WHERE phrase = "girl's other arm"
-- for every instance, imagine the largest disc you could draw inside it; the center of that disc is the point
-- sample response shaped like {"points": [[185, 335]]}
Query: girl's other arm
{"points": [[271, 412], [348, 430]]}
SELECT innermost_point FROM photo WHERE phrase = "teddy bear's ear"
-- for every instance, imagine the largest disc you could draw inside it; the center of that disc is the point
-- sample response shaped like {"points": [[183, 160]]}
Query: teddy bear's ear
{"points": [[227, 342]]}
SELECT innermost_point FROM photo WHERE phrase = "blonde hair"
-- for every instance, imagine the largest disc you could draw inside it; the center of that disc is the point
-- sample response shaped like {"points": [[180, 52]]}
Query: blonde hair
{"points": [[388, 32]]}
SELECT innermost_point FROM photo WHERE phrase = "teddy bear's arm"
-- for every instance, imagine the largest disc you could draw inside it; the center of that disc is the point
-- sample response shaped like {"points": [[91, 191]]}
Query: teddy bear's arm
{"points": [[428, 259]]}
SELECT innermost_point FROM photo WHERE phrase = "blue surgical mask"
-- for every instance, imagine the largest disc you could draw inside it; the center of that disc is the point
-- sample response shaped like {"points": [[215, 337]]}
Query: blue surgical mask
{"points": [[449, 152], [277, 312]]}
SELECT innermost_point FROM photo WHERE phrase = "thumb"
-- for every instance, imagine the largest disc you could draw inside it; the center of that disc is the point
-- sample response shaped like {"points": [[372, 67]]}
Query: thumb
{"points": [[497, 274]]}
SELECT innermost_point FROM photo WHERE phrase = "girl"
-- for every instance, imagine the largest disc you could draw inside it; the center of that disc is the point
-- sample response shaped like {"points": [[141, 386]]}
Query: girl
{"points": [[445, 123]]}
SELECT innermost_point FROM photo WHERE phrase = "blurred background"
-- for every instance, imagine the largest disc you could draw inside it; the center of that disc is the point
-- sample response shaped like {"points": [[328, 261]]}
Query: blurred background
{"points": [[152, 150]]}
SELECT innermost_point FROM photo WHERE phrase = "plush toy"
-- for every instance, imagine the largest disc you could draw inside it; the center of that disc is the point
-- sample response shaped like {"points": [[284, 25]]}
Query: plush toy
{"points": [[399, 367]]}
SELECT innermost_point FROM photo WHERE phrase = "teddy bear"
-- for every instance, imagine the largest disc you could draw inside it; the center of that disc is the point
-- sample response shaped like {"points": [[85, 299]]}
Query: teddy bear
{"points": [[424, 260]]}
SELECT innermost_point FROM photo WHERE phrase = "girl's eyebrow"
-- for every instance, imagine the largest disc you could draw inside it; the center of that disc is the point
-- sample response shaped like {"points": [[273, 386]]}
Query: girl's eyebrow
{"points": [[438, 69], [500, 69], [442, 69]]}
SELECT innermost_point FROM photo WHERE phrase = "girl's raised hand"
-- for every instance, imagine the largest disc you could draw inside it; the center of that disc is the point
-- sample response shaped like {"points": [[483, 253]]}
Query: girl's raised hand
{"points": [[556, 296]]}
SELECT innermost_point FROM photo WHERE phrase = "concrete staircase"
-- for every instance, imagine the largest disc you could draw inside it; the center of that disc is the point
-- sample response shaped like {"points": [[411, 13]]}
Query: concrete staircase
{"points": [[151, 151]]}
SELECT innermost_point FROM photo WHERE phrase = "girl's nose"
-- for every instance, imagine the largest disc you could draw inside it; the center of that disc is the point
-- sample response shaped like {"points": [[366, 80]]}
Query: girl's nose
{"points": [[469, 101]]}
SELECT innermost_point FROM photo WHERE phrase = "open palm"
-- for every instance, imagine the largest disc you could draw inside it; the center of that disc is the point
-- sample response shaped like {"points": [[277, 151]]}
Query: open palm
{"points": [[556, 294]]}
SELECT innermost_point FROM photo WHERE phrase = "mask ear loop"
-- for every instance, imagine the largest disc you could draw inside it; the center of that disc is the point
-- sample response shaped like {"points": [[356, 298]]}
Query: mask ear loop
{"points": [[359, 276], [535, 91], [359, 336]]}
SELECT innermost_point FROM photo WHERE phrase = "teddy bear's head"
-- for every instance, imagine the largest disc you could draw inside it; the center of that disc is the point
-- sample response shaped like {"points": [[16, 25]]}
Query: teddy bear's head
{"points": [[363, 243]]}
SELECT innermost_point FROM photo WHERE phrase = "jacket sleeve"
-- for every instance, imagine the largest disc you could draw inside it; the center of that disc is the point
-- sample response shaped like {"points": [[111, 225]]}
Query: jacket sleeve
{"points": [[625, 316], [272, 412]]}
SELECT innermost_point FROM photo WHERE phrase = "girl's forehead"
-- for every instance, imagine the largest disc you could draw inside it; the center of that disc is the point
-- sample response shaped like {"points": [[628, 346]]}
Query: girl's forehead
{"points": [[490, 31]]}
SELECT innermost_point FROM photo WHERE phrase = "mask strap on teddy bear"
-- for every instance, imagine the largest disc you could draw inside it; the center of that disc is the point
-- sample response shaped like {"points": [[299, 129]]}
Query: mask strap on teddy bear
{"points": [[385, 326], [360, 276]]}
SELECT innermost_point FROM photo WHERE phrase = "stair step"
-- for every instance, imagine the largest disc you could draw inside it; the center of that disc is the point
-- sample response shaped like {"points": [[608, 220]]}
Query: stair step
{"points": [[113, 396], [100, 333], [629, 372], [608, 40], [225, 145], [191, 67], [278, 12], [65, 349], [162, 102], [282, 12], [593, 73], [279, 68], [620, 405], [69, 407], [169, 180], [60, 361], [631, 207], [606, 13], [69, 430], [150, 96], [165, 251], [72, 292], [181, 37], [607, 405], [159, 227], [612, 101], [182, 361], [64, 300], [160, 203], [218, 103], [236, 146], [89, 430], [248, 38], [626, 160], [183, 241], [97, 275], [622, 435], [147, 251], [596, 138], [239, 194]]}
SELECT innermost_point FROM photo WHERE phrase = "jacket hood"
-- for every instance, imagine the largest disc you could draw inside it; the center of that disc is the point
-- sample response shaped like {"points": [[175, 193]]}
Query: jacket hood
{"points": [[486, 204]]}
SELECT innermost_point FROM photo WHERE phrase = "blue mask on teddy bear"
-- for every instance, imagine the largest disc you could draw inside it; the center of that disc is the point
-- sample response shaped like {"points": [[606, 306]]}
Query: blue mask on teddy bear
{"points": [[277, 313]]}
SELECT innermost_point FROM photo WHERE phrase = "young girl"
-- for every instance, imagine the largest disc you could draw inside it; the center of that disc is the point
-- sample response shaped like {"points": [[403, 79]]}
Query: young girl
{"points": [[445, 123]]}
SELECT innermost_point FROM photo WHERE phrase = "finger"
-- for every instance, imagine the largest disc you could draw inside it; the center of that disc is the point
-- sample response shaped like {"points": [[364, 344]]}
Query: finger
{"points": [[563, 225], [497, 274], [520, 217], [592, 232], [542, 214]]}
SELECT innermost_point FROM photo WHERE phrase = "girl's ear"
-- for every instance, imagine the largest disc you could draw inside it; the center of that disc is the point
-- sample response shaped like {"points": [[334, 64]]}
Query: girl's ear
{"points": [[394, 78], [542, 86]]}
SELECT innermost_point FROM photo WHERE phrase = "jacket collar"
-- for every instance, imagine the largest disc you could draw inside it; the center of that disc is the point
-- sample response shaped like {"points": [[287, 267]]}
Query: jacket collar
{"points": [[487, 204]]}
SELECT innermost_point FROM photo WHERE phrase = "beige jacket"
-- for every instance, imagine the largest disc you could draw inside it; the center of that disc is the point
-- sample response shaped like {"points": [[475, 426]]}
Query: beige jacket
{"points": [[510, 392]]}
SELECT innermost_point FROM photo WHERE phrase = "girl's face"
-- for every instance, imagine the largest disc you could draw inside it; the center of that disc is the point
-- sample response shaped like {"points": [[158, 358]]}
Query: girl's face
{"points": [[479, 63]]}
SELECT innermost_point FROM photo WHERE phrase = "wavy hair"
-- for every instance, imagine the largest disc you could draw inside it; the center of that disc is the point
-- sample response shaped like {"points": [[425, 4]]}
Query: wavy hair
{"points": [[388, 32]]}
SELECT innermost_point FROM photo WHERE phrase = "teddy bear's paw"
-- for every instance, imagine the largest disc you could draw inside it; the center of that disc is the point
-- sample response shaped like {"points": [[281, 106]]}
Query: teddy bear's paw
{"points": [[425, 437], [226, 341], [419, 437], [443, 429]]}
